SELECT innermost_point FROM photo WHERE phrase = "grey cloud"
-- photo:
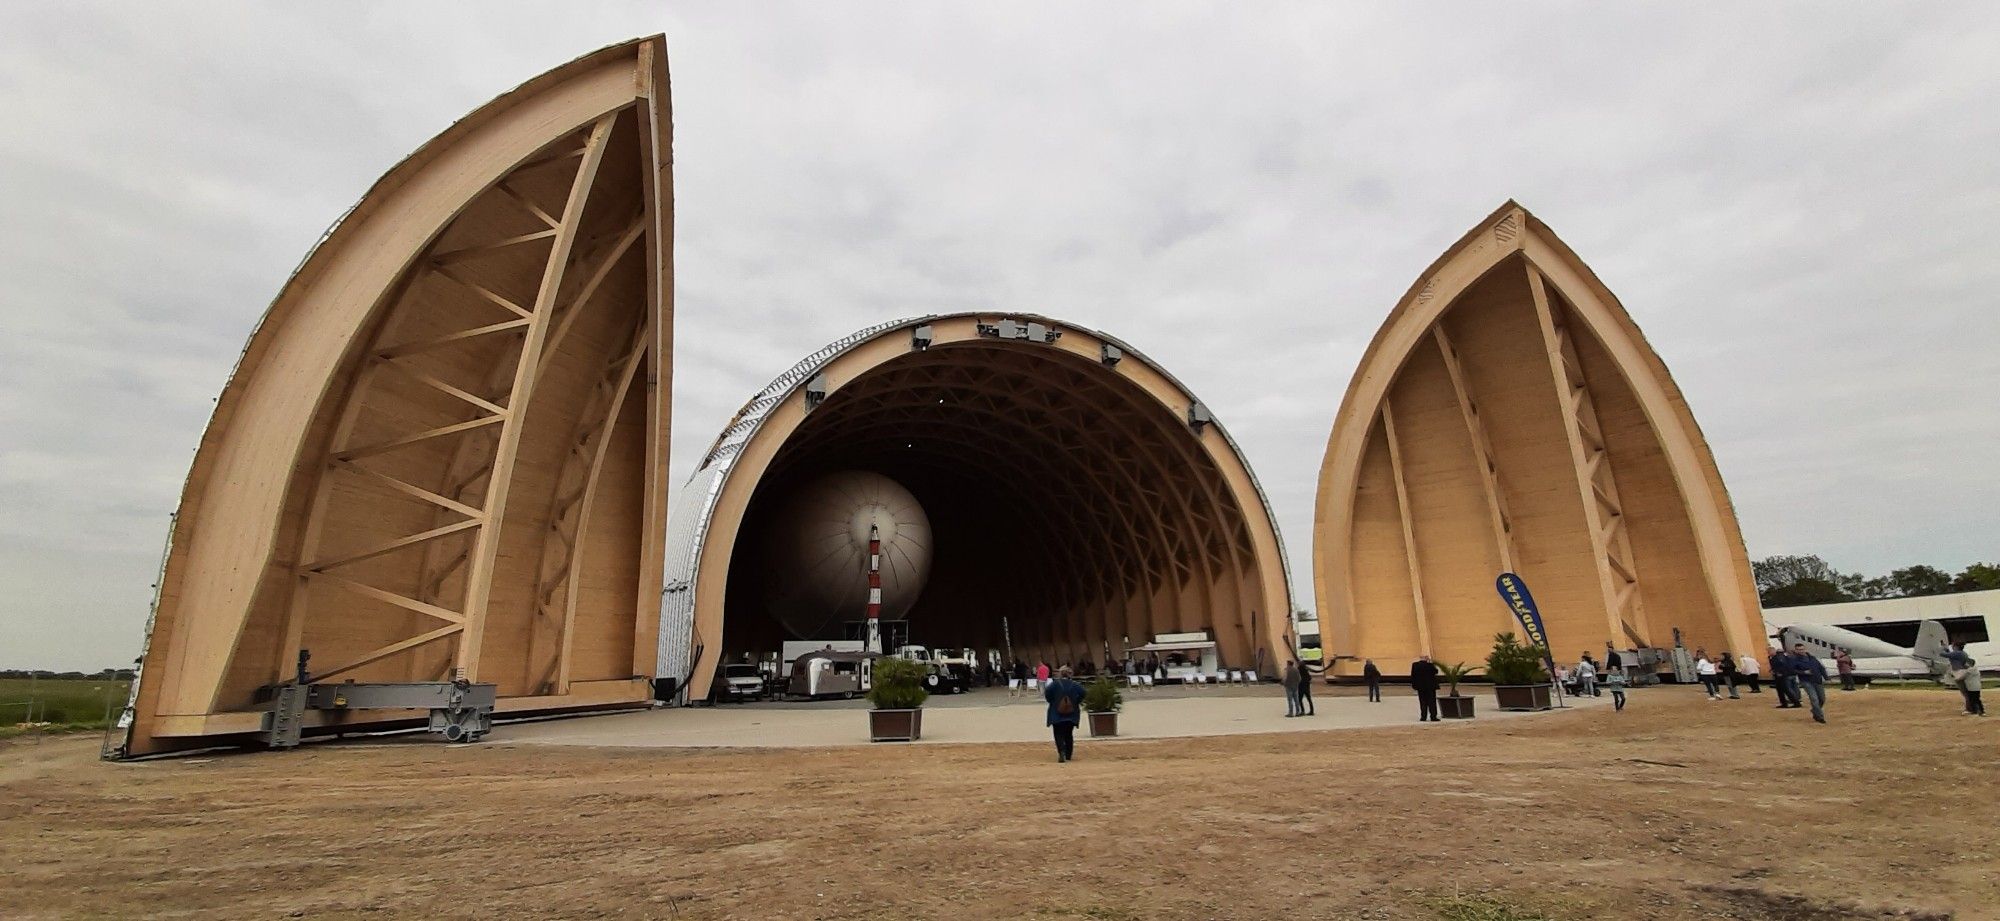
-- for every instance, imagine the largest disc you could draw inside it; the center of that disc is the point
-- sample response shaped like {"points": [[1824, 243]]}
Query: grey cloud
{"points": [[1794, 201]]}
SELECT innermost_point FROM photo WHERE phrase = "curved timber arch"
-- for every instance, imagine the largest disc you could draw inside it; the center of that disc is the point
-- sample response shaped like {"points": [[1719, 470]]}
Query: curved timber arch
{"points": [[442, 452], [1079, 498], [1509, 415]]}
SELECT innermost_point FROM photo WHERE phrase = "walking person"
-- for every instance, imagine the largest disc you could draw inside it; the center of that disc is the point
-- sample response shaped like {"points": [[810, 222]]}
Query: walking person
{"points": [[1065, 699], [1725, 666], [1962, 672], [1810, 674], [1305, 689], [1291, 689], [1424, 680], [1373, 676], [1042, 673], [1019, 679], [1748, 666], [1704, 669], [1844, 663], [1615, 680], [1783, 681], [1586, 677]]}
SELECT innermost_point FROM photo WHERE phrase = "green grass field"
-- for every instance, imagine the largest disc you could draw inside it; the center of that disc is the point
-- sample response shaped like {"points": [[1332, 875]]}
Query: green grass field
{"points": [[66, 704]]}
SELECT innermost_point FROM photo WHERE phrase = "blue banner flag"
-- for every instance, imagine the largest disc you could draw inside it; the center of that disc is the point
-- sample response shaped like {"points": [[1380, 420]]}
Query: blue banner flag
{"points": [[1514, 590]]}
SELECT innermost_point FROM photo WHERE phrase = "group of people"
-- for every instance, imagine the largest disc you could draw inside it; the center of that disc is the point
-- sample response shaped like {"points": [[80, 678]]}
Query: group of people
{"points": [[1298, 689], [1798, 677], [1587, 676], [1020, 671]]}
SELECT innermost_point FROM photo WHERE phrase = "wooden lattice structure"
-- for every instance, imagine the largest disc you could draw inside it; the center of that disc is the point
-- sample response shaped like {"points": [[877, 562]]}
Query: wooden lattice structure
{"points": [[442, 454], [1509, 416], [1073, 488]]}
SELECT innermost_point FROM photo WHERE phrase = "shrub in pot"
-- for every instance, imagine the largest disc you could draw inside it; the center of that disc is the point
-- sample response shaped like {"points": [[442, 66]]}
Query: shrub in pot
{"points": [[898, 695], [1455, 706], [1520, 681], [1101, 702]]}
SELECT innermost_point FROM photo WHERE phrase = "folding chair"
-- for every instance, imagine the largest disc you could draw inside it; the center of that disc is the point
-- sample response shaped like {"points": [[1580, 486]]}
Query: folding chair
{"points": [[1253, 675]]}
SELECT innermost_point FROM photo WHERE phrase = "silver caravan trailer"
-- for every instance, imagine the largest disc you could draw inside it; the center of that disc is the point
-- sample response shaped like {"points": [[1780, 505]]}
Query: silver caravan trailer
{"points": [[822, 674]]}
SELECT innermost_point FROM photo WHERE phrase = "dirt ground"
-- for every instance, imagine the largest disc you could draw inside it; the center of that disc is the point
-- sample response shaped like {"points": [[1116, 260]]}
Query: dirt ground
{"points": [[1676, 808]]}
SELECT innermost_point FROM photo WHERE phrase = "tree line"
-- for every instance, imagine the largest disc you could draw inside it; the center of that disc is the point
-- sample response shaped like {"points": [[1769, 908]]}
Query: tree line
{"points": [[109, 674], [1787, 581]]}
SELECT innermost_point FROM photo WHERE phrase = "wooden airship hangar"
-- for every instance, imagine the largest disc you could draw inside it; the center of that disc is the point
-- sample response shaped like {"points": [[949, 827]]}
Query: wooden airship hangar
{"points": [[435, 487]]}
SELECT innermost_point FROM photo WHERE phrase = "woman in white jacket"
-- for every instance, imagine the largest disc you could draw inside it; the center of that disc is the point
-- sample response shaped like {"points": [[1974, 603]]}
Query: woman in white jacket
{"points": [[1704, 668]]}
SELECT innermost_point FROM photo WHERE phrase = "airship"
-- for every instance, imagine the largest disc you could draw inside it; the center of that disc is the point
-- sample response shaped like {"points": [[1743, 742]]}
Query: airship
{"points": [[816, 554]]}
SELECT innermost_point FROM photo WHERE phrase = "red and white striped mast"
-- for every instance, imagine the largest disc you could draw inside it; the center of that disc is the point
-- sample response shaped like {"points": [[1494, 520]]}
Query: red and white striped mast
{"points": [[874, 641]]}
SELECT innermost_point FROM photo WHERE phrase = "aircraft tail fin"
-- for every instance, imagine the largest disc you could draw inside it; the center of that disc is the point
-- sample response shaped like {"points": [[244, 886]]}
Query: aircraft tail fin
{"points": [[1931, 642]]}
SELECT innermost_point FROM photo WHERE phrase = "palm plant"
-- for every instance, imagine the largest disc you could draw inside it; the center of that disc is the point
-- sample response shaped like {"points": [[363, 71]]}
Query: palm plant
{"points": [[1456, 672]]}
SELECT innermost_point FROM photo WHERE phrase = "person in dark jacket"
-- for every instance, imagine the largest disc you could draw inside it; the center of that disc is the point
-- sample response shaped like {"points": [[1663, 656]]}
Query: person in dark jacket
{"points": [[1373, 676], [1424, 680], [1810, 675], [1725, 665], [1783, 681], [1305, 689], [1065, 698], [1291, 680]]}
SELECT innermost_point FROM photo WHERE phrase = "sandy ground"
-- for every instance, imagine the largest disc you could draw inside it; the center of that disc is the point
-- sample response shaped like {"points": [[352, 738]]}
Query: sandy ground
{"points": [[1676, 808]]}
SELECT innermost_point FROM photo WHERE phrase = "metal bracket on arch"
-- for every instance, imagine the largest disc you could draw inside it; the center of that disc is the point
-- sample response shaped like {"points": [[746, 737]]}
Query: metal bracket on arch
{"points": [[1015, 329]]}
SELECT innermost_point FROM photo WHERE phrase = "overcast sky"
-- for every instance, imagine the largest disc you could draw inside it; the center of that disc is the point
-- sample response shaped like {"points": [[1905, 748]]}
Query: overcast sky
{"points": [[1798, 203]]}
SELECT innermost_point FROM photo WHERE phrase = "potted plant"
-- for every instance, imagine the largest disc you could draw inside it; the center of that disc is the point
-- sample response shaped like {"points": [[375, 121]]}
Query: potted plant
{"points": [[1102, 700], [1455, 706], [898, 695], [1520, 682]]}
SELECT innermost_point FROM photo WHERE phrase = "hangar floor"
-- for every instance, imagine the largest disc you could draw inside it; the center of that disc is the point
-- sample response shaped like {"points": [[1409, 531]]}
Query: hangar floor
{"points": [[987, 715]]}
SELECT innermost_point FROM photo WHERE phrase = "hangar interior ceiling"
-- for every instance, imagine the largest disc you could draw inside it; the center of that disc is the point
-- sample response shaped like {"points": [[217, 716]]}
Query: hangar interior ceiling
{"points": [[1058, 499], [1510, 417]]}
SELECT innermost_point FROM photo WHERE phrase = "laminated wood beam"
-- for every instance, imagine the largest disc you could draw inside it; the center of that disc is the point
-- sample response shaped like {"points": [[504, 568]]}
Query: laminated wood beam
{"points": [[1482, 449], [1409, 532], [486, 549]]}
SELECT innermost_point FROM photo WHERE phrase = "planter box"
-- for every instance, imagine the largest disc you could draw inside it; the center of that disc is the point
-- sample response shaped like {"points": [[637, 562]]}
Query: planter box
{"points": [[1455, 708], [896, 725], [1522, 696], [1103, 724]]}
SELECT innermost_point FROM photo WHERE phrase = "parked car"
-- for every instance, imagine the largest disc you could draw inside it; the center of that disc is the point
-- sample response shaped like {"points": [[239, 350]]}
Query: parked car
{"points": [[738, 683]]}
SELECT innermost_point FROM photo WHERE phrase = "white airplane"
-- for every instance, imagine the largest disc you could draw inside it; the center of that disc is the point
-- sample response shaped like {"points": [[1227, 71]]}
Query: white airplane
{"points": [[1875, 658]]}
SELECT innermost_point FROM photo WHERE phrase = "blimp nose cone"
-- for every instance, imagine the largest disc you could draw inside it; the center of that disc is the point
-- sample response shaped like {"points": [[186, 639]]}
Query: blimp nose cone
{"points": [[878, 517]]}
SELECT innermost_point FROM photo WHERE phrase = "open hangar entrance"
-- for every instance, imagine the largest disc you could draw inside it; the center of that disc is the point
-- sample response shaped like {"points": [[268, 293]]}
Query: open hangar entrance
{"points": [[1076, 501]]}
